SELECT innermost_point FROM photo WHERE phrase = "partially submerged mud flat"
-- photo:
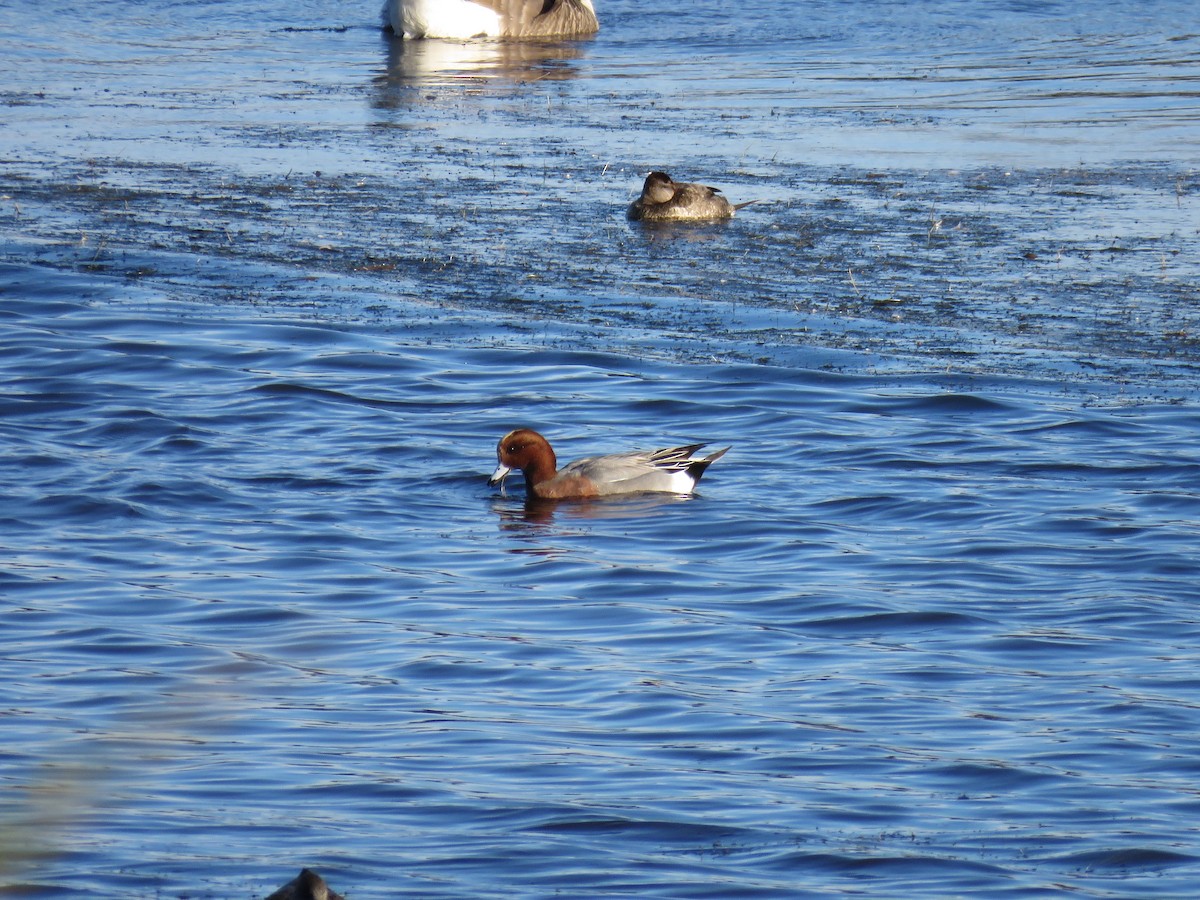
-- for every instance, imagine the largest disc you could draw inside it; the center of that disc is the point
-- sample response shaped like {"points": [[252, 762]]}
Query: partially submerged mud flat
{"points": [[1083, 272], [1022, 199]]}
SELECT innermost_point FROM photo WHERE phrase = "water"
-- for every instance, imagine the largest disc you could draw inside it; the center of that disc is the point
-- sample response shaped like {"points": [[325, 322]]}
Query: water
{"points": [[273, 285]]}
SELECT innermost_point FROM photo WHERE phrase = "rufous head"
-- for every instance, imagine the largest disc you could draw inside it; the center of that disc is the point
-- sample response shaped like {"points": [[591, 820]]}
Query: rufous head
{"points": [[526, 451]]}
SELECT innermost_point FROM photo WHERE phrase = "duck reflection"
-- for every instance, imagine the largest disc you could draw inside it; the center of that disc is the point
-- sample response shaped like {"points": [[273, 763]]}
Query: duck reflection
{"points": [[516, 514], [425, 63], [669, 231]]}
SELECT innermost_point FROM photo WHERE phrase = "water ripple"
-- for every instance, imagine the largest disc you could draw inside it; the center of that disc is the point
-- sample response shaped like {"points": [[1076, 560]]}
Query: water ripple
{"points": [[929, 627]]}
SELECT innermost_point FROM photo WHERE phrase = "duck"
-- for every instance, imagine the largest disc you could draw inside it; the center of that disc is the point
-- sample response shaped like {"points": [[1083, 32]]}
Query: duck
{"points": [[673, 470], [665, 200], [466, 19], [308, 885]]}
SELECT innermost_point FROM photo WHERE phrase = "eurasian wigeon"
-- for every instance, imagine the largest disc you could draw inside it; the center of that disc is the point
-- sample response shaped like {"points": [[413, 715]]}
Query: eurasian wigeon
{"points": [[674, 470], [664, 200], [464, 19], [308, 885]]}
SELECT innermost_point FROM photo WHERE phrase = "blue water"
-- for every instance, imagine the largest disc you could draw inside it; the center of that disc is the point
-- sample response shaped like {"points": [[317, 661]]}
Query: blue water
{"points": [[271, 287]]}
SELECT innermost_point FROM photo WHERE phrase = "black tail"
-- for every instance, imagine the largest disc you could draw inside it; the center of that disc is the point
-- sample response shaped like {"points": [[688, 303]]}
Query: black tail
{"points": [[698, 468]]}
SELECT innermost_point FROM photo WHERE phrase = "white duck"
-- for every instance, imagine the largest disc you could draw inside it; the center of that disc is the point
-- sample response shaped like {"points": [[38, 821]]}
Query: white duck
{"points": [[464, 19]]}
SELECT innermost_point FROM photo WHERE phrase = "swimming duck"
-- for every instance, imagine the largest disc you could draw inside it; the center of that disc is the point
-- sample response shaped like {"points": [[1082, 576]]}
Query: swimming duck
{"points": [[308, 885], [665, 200], [674, 470], [464, 19]]}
